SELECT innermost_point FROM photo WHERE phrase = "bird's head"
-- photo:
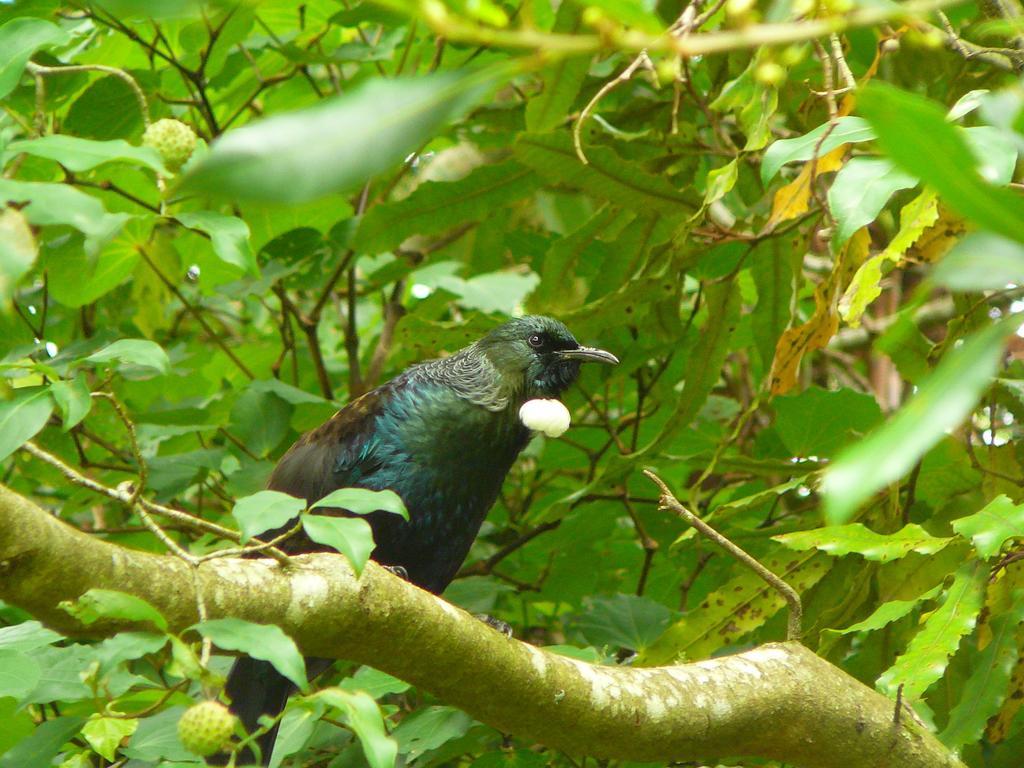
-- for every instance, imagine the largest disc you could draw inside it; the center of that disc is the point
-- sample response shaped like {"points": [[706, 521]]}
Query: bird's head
{"points": [[541, 352]]}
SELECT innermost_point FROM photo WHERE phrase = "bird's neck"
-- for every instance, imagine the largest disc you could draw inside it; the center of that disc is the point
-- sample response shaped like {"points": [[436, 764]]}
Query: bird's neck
{"points": [[475, 379]]}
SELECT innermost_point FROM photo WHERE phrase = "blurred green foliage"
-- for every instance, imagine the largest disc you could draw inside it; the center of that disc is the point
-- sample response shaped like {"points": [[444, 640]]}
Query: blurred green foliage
{"points": [[754, 232]]}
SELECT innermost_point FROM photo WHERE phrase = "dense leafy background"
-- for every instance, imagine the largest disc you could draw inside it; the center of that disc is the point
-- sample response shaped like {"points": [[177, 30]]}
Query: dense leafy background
{"points": [[807, 257]]}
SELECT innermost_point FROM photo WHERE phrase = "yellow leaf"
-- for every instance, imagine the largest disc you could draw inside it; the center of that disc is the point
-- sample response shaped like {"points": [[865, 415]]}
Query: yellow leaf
{"points": [[999, 726], [936, 241], [916, 217], [823, 324], [793, 199]]}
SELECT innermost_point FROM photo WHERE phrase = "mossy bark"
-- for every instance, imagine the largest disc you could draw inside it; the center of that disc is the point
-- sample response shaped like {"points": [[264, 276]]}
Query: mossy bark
{"points": [[778, 701]]}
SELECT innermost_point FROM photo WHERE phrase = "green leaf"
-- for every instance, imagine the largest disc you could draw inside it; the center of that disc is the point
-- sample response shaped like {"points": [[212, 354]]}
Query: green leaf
{"points": [[992, 525], [986, 689], [818, 422], [78, 154], [995, 151], [260, 420], [723, 301], [374, 682], [73, 399], [27, 636], [721, 181], [883, 616], [981, 261], [337, 144], [105, 734], [22, 417], [19, 673], [439, 206], [99, 604], [229, 235], [429, 728], [349, 535], [77, 279], [848, 130], [40, 749], [125, 646], [365, 719], [943, 401], [264, 511], [156, 739], [929, 652], [562, 80], [856, 538], [107, 109], [267, 642], [140, 353], [18, 251], [63, 204], [861, 189], [914, 132], [362, 501], [625, 621], [605, 177], [19, 39]]}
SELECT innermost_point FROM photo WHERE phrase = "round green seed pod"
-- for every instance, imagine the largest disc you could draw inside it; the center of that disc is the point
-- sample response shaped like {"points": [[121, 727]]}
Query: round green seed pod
{"points": [[206, 727], [174, 140]]}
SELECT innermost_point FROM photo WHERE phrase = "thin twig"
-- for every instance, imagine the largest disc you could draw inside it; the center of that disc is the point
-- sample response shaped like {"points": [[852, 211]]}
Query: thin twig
{"points": [[670, 502]]}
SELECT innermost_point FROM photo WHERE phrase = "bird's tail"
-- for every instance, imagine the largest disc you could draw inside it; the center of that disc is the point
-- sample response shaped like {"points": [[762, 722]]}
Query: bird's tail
{"points": [[256, 688]]}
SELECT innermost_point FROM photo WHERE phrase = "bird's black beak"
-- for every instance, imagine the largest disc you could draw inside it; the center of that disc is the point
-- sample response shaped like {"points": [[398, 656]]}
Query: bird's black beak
{"points": [[588, 355]]}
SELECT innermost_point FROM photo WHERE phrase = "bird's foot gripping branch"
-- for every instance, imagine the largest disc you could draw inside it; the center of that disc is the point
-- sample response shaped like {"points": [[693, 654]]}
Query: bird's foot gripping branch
{"points": [[808, 713]]}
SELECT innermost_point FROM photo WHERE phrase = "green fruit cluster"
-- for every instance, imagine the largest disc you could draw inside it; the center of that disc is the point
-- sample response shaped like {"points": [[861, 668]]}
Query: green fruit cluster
{"points": [[206, 727], [174, 140]]}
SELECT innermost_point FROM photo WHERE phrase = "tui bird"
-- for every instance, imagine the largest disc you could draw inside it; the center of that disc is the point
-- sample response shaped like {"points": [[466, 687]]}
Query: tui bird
{"points": [[442, 435]]}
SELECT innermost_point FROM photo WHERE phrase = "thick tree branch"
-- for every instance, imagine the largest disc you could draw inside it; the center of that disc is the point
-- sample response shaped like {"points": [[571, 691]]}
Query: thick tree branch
{"points": [[778, 701]]}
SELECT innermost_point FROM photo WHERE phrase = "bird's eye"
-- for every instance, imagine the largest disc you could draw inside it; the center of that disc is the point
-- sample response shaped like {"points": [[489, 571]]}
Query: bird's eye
{"points": [[536, 340]]}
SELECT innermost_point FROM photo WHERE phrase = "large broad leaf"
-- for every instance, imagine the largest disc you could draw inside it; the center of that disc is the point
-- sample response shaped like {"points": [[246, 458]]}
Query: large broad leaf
{"points": [[856, 538], [438, 206], [847, 131], [336, 144], [349, 535], [981, 261], [261, 641], [605, 177], [19, 39], [627, 621], [861, 189], [914, 132], [818, 422], [928, 653], [264, 511], [78, 154], [944, 400], [364, 717], [992, 525], [22, 417]]}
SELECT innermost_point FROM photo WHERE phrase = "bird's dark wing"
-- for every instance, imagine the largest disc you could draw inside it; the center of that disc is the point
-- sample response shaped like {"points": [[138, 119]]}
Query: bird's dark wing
{"points": [[338, 454]]}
